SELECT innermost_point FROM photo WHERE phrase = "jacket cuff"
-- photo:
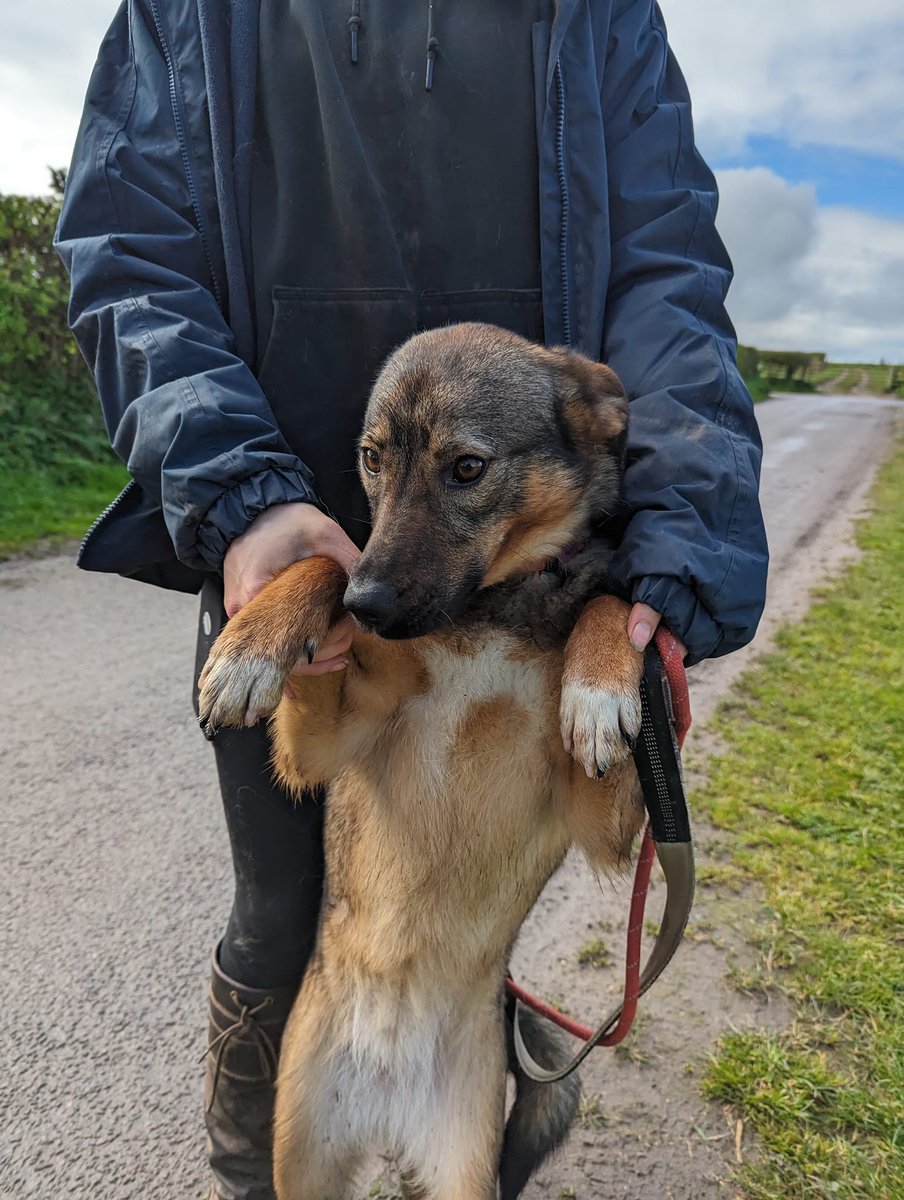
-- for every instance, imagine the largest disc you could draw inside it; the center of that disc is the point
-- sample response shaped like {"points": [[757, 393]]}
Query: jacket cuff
{"points": [[232, 513], [682, 612]]}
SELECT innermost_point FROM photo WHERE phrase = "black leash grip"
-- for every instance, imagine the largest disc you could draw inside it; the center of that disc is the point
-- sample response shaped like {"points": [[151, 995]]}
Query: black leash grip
{"points": [[658, 761], [657, 758]]}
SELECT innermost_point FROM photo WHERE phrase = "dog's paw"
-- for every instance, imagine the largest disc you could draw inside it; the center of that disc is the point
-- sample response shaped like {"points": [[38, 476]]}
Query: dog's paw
{"points": [[599, 725], [237, 687], [600, 708]]}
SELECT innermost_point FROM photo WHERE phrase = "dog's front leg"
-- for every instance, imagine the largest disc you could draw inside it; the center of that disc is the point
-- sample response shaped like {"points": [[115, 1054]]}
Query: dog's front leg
{"points": [[600, 704], [250, 661]]}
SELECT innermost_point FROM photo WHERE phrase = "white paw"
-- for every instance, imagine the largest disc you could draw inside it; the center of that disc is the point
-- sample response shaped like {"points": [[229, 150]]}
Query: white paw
{"points": [[237, 689], [599, 727]]}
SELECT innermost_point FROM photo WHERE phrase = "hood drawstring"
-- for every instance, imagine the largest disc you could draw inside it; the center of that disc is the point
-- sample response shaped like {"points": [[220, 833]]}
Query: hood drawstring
{"points": [[354, 27], [432, 45], [354, 24]]}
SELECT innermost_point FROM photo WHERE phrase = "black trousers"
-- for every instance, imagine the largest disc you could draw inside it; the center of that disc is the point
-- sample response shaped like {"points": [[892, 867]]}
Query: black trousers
{"points": [[277, 845]]}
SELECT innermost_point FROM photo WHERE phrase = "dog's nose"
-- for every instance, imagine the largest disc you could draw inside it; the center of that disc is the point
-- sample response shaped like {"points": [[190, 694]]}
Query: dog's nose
{"points": [[372, 601]]}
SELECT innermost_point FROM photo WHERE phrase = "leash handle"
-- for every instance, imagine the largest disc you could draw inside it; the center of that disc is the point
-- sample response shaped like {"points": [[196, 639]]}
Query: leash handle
{"points": [[665, 704], [676, 678], [657, 754]]}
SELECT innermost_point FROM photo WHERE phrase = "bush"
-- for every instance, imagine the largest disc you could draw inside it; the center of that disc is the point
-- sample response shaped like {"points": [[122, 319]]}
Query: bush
{"points": [[748, 361], [56, 468], [48, 406]]}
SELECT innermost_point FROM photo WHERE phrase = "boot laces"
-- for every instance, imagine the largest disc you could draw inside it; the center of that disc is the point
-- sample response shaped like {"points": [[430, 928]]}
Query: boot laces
{"points": [[244, 1023]]}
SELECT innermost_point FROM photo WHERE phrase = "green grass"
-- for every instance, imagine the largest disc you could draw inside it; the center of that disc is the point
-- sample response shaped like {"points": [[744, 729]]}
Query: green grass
{"points": [[789, 385], [758, 388], [810, 789], [846, 376], [53, 503], [595, 954]]}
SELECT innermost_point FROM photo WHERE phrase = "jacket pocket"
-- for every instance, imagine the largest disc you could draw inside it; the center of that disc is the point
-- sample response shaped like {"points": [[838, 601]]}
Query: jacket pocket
{"points": [[324, 352], [519, 310]]}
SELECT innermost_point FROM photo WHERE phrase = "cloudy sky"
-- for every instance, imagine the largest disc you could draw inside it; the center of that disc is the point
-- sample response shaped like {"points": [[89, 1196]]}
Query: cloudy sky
{"points": [[799, 107]]}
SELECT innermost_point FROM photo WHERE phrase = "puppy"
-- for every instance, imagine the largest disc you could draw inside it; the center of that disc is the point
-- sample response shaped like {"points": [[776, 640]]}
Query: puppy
{"points": [[483, 725]]}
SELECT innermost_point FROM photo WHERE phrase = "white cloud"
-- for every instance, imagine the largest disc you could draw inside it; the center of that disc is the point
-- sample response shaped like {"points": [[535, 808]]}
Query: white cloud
{"points": [[46, 55], [769, 227], [824, 71], [811, 278]]}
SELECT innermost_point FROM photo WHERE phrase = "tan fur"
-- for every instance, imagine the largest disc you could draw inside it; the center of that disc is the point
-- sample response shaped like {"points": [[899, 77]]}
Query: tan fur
{"points": [[451, 800], [526, 542]]}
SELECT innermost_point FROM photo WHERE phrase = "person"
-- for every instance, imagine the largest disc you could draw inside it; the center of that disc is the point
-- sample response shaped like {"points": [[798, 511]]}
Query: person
{"points": [[264, 199]]}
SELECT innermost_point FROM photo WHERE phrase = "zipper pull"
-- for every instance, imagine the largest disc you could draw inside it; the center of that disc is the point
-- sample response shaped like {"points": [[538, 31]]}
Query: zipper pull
{"points": [[354, 24], [432, 47]]}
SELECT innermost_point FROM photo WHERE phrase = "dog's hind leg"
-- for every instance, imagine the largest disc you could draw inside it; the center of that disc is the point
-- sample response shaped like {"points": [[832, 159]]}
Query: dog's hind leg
{"points": [[452, 1151], [316, 1151], [315, 1174], [313, 1159], [542, 1113]]}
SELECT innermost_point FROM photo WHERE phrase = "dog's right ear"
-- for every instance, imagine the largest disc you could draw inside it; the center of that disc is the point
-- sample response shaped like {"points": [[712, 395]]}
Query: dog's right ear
{"points": [[592, 405]]}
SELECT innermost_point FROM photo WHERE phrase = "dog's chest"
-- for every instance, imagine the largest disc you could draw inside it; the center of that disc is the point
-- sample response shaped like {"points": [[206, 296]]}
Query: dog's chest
{"points": [[470, 692], [479, 734], [456, 825]]}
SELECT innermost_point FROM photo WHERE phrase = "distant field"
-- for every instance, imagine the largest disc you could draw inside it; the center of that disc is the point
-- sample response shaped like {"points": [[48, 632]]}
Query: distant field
{"points": [[844, 377], [767, 371]]}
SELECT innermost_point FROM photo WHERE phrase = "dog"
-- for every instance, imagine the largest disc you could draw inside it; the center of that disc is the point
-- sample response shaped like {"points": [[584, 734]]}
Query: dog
{"points": [[483, 725]]}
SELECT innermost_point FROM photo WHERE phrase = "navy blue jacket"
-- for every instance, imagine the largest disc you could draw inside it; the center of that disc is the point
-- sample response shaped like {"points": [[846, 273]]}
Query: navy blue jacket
{"points": [[155, 231]]}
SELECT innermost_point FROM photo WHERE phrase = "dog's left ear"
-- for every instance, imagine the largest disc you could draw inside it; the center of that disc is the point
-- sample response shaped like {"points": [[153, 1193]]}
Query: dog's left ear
{"points": [[592, 404]]}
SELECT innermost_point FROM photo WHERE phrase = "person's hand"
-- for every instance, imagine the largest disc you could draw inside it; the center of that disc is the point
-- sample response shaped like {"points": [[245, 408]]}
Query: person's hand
{"points": [[282, 535], [642, 624]]}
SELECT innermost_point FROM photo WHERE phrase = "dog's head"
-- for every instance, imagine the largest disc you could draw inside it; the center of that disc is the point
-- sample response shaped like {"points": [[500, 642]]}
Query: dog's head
{"points": [[483, 456]]}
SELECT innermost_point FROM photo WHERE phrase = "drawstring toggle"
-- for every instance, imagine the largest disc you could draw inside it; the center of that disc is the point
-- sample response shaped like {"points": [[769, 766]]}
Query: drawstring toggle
{"points": [[432, 44], [432, 47], [354, 24]]}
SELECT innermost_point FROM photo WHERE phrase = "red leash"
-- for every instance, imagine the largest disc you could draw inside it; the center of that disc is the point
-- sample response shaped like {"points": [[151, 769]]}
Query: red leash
{"points": [[681, 716]]}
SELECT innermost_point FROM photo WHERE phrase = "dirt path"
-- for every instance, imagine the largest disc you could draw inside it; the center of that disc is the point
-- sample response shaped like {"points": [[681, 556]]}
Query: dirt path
{"points": [[116, 881]]}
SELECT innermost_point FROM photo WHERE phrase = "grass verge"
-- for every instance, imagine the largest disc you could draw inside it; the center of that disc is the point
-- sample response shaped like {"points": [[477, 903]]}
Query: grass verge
{"points": [[810, 788], [53, 503]]}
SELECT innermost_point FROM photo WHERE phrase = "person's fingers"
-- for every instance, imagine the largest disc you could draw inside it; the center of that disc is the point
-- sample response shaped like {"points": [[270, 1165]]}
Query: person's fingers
{"points": [[341, 549], [337, 644], [642, 623], [243, 591], [324, 667], [282, 534], [319, 667]]}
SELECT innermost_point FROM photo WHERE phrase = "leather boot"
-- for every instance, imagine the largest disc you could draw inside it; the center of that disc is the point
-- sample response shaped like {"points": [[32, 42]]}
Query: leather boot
{"points": [[246, 1028]]}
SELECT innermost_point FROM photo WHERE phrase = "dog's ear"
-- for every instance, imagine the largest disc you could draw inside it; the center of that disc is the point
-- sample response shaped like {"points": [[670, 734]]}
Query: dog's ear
{"points": [[591, 402]]}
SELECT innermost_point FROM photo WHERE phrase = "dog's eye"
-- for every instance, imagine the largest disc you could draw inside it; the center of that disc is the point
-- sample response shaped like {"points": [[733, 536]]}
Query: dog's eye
{"points": [[468, 469], [371, 460]]}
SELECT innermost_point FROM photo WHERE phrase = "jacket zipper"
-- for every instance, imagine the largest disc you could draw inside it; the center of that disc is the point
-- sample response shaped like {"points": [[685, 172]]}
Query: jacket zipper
{"points": [[101, 517], [183, 147], [564, 203]]}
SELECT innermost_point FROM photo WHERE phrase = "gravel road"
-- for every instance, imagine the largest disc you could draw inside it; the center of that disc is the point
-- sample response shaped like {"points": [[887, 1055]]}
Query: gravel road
{"points": [[115, 879]]}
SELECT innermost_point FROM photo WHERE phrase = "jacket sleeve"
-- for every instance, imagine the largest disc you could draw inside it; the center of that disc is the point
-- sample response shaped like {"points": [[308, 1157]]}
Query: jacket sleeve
{"points": [[182, 409], [695, 546]]}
